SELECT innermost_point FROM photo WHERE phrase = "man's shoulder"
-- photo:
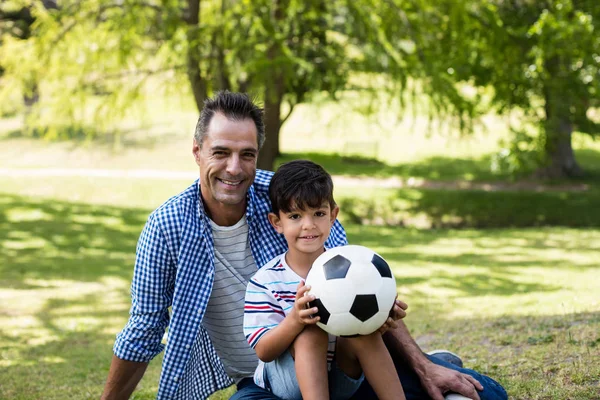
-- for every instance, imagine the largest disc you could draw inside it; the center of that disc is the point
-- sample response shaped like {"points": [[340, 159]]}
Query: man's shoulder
{"points": [[172, 209], [262, 180]]}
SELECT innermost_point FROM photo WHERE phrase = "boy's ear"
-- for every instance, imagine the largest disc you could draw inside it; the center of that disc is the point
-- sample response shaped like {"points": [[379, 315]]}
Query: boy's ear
{"points": [[275, 222], [334, 213]]}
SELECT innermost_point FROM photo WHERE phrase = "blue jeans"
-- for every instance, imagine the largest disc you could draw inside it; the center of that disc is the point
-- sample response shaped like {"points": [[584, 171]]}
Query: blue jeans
{"points": [[492, 390]]}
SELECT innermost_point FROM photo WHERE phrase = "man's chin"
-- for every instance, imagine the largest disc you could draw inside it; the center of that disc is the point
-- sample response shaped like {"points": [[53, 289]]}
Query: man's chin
{"points": [[231, 200]]}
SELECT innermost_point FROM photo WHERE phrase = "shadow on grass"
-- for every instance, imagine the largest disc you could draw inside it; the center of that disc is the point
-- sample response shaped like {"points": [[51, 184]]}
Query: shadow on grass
{"points": [[58, 240], [69, 354], [437, 208], [66, 350], [433, 168], [490, 258]]}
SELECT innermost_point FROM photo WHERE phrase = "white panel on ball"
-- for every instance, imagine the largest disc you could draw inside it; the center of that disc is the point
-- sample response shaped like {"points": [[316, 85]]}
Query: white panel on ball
{"points": [[342, 325], [337, 295], [387, 290], [373, 323]]}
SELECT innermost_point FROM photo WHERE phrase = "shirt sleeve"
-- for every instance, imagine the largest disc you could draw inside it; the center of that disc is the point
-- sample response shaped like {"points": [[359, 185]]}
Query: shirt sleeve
{"points": [[262, 311], [151, 296]]}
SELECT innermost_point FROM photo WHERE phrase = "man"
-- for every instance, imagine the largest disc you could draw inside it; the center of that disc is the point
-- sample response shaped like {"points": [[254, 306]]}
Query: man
{"points": [[196, 254]]}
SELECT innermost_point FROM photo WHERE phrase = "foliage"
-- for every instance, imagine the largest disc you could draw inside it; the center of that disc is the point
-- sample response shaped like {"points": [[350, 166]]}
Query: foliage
{"points": [[92, 55], [542, 58], [400, 41]]}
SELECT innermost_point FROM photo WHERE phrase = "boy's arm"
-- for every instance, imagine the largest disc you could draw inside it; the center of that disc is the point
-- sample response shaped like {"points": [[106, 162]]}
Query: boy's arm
{"points": [[271, 343], [278, 339]]}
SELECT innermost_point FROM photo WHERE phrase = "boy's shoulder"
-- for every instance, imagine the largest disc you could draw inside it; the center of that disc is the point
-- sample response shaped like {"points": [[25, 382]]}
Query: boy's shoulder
{"points": [[269, 268]]}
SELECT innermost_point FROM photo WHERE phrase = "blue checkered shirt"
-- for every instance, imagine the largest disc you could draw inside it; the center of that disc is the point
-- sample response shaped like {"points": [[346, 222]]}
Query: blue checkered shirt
{"points": [[175, 268]]}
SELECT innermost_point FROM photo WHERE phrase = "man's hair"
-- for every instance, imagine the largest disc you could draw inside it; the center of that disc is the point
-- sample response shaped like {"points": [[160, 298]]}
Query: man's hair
{"points": [[300, 184], [235, 107]]}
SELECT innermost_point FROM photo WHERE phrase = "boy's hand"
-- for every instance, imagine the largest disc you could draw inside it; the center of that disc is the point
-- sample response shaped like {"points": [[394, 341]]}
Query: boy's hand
{"points": [[397, 312], [301, 313]]}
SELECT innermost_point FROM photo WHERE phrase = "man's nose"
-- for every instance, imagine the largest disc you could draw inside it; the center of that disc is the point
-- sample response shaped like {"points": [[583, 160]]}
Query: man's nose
{"points": [[233, 165]]}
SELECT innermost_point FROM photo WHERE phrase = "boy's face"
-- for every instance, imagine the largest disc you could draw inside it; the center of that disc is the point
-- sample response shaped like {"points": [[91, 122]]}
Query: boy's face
{"points": [[305, 230]]}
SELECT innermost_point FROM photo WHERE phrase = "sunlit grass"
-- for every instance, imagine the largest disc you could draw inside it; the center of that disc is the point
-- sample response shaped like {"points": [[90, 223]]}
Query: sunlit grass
{"points": [[518, 304]]}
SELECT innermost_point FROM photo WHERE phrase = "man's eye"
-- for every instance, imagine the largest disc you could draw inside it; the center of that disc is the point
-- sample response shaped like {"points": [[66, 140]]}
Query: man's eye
{"points": [[250, 155]]}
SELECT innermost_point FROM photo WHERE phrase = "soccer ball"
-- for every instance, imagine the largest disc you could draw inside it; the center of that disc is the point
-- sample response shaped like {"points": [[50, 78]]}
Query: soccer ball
{"points": [[354, 289]]}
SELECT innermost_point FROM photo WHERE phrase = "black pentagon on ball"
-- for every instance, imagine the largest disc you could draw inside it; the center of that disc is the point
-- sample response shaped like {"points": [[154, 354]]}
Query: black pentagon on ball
{"points": [[336, 268], [322, 311], [382, 266], [364, 306]]}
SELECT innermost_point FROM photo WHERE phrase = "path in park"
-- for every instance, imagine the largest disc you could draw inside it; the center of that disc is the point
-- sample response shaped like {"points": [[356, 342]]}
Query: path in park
{"points": [[391, 183]]}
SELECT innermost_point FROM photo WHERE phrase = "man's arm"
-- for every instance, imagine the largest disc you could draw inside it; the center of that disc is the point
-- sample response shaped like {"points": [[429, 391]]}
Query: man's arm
{"points": [[123, 377], [436, 380], [140, 339]]}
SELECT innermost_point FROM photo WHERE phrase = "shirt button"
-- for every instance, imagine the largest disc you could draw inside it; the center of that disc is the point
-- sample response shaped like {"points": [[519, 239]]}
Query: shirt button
{"points": [[199, 311], [175, 379], [187, 346]]}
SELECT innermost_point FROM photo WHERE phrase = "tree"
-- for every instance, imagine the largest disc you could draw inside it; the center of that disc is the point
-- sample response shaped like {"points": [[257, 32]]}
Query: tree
{"points": [[16, 20], [540, 57], [102, 52]]}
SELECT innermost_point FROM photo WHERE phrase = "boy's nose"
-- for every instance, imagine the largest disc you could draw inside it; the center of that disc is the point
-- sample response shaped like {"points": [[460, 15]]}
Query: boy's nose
{"points": [[308, 223]]}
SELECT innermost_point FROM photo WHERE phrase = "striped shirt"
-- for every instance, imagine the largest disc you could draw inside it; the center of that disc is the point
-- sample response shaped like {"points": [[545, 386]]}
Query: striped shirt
{"points": [[234, 266], [270, 297], [175, 268]]}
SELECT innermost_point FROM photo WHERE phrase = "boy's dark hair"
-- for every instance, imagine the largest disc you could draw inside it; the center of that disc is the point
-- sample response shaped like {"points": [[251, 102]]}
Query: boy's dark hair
{"points": [[300, 184], [236, 107]]}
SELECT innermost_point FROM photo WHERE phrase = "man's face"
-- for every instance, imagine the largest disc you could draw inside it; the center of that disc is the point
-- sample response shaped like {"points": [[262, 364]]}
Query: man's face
{"points": [[227, 161]]}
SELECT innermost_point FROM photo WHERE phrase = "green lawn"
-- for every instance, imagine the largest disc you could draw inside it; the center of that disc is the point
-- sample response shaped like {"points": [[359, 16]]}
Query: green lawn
{"points": [[519, 304], [519, 301]]}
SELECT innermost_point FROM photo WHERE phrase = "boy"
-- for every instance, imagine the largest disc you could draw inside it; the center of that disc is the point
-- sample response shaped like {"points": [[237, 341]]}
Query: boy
{"points": [[298, 359]]}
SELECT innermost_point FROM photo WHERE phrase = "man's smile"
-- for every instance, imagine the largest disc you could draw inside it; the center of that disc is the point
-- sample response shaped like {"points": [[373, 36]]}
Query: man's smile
{"points": [[230, 183]]}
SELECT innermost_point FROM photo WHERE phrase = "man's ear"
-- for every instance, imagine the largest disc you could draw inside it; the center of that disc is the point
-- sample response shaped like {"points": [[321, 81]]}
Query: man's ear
{"points": [[334, 213], [196, 148], [275, 222]]}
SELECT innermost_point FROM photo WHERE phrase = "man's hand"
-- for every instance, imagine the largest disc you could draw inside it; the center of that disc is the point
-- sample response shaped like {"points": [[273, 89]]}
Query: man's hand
{"points": [[439, 380], [397, 312], [301, 313]]}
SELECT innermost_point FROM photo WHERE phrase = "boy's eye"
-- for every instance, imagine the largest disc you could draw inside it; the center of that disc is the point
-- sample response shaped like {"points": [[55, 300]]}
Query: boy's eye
{"points": [[320, 213], [294, 216]]}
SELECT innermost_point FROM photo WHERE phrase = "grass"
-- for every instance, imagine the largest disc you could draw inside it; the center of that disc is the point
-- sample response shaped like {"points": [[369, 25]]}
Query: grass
{"points": [[519, 304]]}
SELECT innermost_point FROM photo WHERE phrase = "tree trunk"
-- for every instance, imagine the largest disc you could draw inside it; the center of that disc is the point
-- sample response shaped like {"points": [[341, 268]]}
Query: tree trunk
{"points": [[270, 149], [223, 79], [274, 91], [558, 130], [559, 151], [558, 126], [197, 82]]}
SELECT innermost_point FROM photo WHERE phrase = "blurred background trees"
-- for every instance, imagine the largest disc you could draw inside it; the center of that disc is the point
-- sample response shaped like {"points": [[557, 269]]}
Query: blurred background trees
{"points": [[88, 62]]}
